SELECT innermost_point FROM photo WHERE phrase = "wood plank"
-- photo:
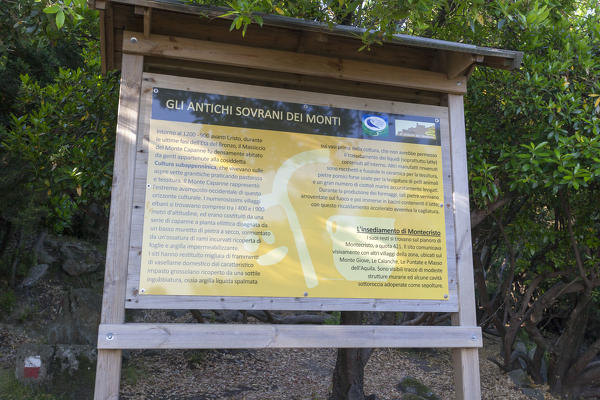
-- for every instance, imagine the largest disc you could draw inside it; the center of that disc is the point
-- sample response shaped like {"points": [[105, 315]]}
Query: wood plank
{"points": [[457, 64], [462, 216], [466, 374], [217, 30], [147, 22], [318, 43], [117, 252], [110, 37], [289, 81], [466, 361], [282, 303], [449, 211], [103, 68], [248, 336], [176, 11], [294, 96], [283, 61]]}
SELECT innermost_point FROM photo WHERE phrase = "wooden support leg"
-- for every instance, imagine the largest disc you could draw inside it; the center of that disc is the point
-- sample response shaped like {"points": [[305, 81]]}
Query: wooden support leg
{"points": [[108, 374], [466, 374], [108, 368], [466, 361]]}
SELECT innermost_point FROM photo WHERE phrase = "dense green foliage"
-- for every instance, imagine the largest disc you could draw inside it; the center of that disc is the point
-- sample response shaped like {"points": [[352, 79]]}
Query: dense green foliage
{"points": [[31, 44], [535, 153], [533, 145], [62, 144], [57, 123]]}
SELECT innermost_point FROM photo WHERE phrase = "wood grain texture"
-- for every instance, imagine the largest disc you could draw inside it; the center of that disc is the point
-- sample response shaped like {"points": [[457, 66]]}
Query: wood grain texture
{"points": [[110, 37], [268, 36], [136, 301], [147, 22], [449, 212], [285, 80], [462, 215], [103, 68], [466, 361], [285, 61], [241, 336], [117, 251]]}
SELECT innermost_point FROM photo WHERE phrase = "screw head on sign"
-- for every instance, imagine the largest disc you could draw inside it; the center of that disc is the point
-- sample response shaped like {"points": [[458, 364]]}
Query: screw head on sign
{"points": [[473, 337], [155, 90], [133, 40], [445, 296], [305, 294], [142, 290], [458, 83], [109, 336]]}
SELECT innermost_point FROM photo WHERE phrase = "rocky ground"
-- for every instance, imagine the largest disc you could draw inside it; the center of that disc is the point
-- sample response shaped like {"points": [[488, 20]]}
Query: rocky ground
{"points": [[299, 374], [57, 313]]}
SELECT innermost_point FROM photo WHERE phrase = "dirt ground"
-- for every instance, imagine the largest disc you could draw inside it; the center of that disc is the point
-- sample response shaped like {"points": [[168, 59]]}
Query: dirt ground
{"points": [[261, 374], [297, 374]]}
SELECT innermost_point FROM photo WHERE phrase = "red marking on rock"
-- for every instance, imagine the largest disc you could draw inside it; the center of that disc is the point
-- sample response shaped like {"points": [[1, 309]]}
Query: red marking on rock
{"points": [[32, 372]]}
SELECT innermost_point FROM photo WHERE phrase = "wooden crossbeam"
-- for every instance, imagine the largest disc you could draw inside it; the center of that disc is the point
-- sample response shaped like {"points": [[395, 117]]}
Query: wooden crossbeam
{"points": [[254, 336], [286, 61]]}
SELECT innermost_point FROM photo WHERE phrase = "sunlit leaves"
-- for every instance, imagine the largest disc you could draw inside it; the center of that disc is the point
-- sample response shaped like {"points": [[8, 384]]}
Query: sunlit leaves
{"points": [[75, 9], [64, 143]]}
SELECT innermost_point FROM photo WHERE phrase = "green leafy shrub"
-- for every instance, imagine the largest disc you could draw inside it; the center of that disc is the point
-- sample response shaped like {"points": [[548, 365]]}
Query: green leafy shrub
{"points": [[57, 152]]}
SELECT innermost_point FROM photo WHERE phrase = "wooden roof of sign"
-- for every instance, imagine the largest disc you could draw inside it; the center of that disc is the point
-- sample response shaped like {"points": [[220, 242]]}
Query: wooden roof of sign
{"points": [[320, 57]]}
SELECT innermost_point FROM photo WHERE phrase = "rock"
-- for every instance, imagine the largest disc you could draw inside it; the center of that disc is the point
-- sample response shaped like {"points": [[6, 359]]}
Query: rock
{"points": [[75, 256], [371, 397], [177, 313], [56, 368], [74, 363], [519, 377], [46, 258], [533, 393], [79, 257], [521, 347], [35, 273], [410, 385], [410, 396], [49, 250], [32, 367], [80, 319], [544, 371], [71, 357], [228, 316], [519, 356]]}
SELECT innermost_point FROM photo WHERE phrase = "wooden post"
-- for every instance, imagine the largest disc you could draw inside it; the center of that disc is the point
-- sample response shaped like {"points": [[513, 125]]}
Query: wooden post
{"points": [[108, 370], [466, 361]]}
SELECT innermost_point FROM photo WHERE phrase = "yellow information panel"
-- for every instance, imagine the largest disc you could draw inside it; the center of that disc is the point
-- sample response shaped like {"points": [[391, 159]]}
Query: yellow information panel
{"points": [[249, 197]]}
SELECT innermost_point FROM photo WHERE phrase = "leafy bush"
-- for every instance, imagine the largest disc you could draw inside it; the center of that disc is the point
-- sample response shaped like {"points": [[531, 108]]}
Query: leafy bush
{"points": [[31, 44], [58, 150]]}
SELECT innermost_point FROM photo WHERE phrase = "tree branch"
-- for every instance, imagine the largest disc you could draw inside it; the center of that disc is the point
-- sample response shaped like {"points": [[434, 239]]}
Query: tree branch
{"points": [[478, 216], [578, 260]]}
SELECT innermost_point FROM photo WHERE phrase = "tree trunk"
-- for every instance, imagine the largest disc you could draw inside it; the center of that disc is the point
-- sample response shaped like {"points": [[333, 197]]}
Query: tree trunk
{"points": [[16, 258], [348, 376], [564, 353]]}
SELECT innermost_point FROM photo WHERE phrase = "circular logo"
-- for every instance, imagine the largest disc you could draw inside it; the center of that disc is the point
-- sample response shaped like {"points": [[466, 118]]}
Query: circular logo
{"points": [[374, 125]]}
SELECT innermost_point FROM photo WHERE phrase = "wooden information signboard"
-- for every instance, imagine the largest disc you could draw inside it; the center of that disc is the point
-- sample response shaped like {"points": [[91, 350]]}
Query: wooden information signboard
{"points": [[234, 188], [312, 205]]}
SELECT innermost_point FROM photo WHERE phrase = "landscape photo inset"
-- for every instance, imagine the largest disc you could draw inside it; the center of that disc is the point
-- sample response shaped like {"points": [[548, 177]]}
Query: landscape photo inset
{"points": [[415, 129]]}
